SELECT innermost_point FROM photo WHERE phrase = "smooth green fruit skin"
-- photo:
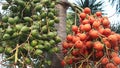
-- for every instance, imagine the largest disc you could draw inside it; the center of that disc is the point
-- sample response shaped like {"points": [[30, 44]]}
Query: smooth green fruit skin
{"points": [[52, 42], [54, 50], [44, 36], [34, 27], [15, 35], [38, 52], [35, 17], [5, 18], [40, 41], [47, 45], [51, 23], [57, 39], [1, 49], [38, 7], [46, 2], [8, 50], [9, 30], [39, 46], [52, 5], [28, 47], [43, 14], [34, 32], [34, 43], [11, 21], [27, 9], [52, 10], [51, 15], [18, 27], [6, 36], [25, 29], [27, 60], [48, 62], [56, 20], [44, 28], [28, 19], [51, 34], [20, 2], [16, 19]]}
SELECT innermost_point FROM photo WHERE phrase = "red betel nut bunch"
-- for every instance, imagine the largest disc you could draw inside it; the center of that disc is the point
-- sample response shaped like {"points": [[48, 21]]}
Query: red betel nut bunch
{"points": [[92, 44]]}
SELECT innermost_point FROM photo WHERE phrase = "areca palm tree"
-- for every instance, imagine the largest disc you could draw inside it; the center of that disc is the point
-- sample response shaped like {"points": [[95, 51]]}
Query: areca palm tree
{"points": [[94, 5]]}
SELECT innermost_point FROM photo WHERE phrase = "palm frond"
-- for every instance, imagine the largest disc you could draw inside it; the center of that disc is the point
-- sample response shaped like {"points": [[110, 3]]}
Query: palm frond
{"points": [[92, 4], [115, 27], [115, 3], [112, 1], [86, 3]]}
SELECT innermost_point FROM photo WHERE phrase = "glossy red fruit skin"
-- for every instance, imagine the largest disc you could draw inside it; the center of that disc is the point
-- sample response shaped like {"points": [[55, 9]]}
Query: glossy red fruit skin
{"points": [[116, 48], [101, 30], [82, 50], [82, 15], [75, 39], [79, 44], [105, 60], [74, 28], [99, 54], [69, 37], [98, 14], [87, 27], [105, 22], [82, 37], [70, 44], [75, 52], [91, 19], [112, 38], [96, 24], [63, 63], [89, 44], [107, 31], [81, 27], [85, 21], [87, 10], [114, 54], [94, 34], [107, 44], [110, 65], [98, 45], [116, 60], [70, 61], [65, 45], [64, 51]]}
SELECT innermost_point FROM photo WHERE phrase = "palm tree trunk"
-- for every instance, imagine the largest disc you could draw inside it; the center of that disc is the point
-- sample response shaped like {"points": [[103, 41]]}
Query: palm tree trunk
{"points": [[61, 28]]}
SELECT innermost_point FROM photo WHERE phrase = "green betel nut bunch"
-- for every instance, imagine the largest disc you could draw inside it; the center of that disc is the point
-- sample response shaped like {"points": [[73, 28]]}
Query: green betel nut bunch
{"points": [[28, 33]]}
